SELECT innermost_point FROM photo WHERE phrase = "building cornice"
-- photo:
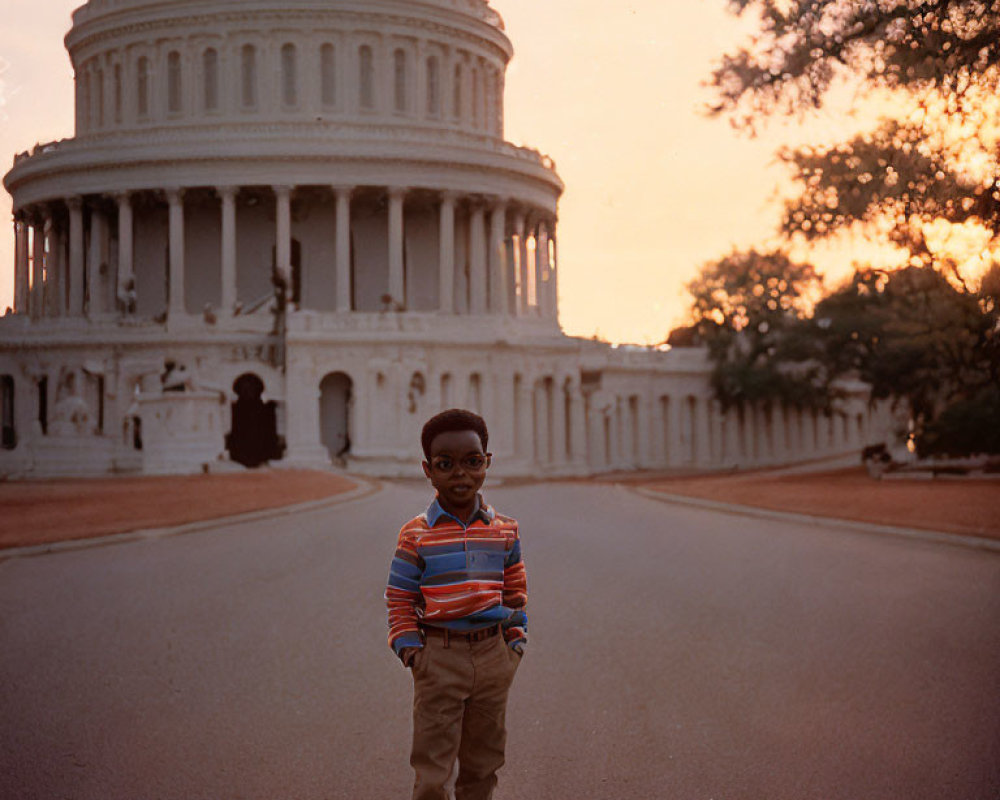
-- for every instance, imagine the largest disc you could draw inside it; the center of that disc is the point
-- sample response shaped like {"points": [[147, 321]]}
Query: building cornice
{"points": [[211, 154]]}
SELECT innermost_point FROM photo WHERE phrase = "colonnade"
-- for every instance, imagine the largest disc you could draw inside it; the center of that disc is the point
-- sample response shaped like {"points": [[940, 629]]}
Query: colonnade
{"points": [[510, 247], [555, 423]]}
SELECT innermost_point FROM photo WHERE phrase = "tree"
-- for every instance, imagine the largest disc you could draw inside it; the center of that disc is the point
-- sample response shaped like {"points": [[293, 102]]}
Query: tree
{"points": [[925, 335], [747, 309], [939, 162], [803, 46], [914, 338]]}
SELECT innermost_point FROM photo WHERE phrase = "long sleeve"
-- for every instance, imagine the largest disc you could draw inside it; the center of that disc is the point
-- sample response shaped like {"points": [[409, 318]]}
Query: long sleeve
{"points": [[402, 594], [515, 594]]}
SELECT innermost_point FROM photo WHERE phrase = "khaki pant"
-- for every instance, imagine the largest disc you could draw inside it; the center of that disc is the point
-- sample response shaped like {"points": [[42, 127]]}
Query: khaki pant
{"points": [[459, 708]]}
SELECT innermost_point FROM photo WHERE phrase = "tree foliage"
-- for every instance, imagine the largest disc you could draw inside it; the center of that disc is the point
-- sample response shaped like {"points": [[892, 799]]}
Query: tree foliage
{"points": [[802, 46], [921, 336], [747, 307], [939, 160], [911, 335]]}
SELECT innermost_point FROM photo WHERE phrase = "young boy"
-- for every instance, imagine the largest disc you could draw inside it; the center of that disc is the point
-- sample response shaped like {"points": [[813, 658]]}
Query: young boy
{"points": [[456, 597]]}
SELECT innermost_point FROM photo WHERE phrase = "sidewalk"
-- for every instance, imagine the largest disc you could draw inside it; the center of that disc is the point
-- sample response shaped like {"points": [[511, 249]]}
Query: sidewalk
{"points": [[43, 512], [960, 506]]}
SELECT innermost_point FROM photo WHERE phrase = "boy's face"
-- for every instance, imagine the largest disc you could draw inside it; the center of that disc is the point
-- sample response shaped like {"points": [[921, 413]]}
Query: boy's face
{"points": [[457, 468]]}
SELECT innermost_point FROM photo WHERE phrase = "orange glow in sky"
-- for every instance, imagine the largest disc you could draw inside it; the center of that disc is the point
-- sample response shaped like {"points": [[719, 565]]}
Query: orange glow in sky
{"points": [[612, 91]]}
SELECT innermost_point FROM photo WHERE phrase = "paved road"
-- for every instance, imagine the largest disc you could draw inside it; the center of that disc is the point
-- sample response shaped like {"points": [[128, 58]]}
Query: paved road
{"points": [[676, 653]]}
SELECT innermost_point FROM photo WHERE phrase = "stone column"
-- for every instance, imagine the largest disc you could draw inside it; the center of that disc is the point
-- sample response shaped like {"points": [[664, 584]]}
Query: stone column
{"points": [[542, 270], [283, 235], [553, 291], [176, 302], [477, 260], [749, 434], [498, 259], [597, 455], [96, 258], [539, 407], [228, 278], [302, 429], [499, 397], [792, 444], [779, 433], [76, 256], [526, 426], [343, 258], [397, 278], [764, 427], [521, 264], [647, 439], [717, 426], [55, 291], [629, 439], [126, 269], [673, 434], [446, 257], [38, 268], [703, 454], [20, 266], [558, 432], [578, 434], [733, 439]]}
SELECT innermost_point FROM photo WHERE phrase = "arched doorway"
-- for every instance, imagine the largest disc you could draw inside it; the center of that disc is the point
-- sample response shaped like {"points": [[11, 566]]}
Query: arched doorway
{"points": [[335, 400], [253, 439]]}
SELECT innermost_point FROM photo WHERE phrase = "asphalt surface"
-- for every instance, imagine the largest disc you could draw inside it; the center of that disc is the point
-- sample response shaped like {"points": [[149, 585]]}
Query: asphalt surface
{"points": [[675, 653]]}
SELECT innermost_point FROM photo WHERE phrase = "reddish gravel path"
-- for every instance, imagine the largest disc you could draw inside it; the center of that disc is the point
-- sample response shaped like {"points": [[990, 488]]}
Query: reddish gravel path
{"points": [[42, 512], [964, 506]]}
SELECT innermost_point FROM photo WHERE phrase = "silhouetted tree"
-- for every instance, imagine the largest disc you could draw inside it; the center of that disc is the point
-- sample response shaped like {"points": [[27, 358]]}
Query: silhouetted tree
{"points": [[923, 335], [914, 338], [748, 308]]}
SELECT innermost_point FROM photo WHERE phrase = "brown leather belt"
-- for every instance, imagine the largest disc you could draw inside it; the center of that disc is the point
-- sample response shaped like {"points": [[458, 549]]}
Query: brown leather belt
{"points": [[471, 636]]}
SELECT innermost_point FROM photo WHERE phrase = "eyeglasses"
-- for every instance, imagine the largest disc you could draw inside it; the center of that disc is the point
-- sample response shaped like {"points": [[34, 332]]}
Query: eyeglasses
{"points": [[471, 463]]}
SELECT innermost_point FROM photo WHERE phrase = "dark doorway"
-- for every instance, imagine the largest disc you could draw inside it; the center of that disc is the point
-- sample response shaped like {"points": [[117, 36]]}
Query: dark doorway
{"points": [[335, 414], [9, 438], [253, 439]]}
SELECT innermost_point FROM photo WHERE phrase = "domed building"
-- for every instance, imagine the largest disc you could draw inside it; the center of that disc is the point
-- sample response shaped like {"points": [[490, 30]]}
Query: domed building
{"points": [[288, 231]]}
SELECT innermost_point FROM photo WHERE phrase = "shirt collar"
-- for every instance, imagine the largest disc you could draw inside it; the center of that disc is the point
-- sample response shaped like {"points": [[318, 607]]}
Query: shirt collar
{"points": [[483, 512]]}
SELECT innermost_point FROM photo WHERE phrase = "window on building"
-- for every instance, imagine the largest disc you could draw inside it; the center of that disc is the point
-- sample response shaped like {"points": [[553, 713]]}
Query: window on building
{"points": [[433, 87], [248, 75], [210, 75], [8, 434], [328, 75], [118, 93], [366, 64], [142, 87], [457, 98], [289, 68], [399, 95], [174, 82]]}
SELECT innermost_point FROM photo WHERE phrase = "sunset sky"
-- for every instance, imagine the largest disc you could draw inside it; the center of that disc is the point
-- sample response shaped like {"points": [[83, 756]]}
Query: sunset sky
{"points": [[612, 91]]}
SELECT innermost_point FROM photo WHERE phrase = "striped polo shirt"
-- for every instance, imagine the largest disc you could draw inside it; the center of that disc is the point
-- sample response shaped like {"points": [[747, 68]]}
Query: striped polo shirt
{"points": [[461, 577]]}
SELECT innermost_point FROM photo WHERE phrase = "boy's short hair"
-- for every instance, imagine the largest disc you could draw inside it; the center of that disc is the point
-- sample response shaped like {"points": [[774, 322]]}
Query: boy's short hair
{"points": [[454, 419]]}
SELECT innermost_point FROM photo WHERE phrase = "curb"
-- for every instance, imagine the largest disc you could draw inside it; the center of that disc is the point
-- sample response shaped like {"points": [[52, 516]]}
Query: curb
{"points": [[365, 488], [934, 537]]}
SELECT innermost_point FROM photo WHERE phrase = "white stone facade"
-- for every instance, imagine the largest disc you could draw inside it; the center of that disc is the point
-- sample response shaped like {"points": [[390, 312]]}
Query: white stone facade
{"points": [[290, 231]]}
